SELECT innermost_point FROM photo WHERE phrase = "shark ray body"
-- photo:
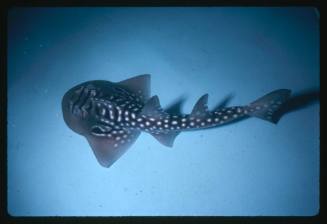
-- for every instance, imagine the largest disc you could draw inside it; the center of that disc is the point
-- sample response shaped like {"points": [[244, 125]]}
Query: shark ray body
{"points": [[112, 115]]}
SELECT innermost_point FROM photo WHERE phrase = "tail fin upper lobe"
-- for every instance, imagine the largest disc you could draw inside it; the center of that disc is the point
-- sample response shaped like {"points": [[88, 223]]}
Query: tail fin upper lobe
{"points": [[266, 106]]}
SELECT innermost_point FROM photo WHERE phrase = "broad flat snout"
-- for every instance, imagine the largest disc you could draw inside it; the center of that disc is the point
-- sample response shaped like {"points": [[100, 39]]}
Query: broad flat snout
{"points": [[72, 120]]}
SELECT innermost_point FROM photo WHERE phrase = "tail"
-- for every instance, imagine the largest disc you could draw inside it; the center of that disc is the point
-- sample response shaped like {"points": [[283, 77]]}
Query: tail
{"points": [[266, 106]]}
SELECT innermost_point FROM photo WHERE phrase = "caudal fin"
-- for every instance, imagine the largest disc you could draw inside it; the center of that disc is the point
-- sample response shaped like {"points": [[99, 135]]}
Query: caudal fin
{"points": [[266, 106]]}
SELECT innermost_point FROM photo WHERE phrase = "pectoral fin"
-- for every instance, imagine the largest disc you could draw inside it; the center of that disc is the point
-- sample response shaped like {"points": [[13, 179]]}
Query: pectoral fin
{"points": [[139, 85], [109, 149]]}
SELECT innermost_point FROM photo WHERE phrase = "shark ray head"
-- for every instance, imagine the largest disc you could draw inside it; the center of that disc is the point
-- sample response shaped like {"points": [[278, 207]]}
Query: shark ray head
{"points": [[99, 110]]}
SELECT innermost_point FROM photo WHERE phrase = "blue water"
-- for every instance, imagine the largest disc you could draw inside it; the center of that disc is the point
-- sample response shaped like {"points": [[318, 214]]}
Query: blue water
{"points": [[251, 167]]}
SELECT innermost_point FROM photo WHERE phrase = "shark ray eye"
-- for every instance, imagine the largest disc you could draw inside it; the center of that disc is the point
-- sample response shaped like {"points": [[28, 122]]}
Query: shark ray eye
{"points": [[97, 130], [101, 130]]}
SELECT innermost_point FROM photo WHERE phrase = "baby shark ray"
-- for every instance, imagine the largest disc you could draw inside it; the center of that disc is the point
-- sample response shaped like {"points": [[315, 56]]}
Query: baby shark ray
{"points": [[112, 115]]}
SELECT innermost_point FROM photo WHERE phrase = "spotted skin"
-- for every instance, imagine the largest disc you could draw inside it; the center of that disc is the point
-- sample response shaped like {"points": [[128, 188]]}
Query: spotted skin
{"points": [[112, 115], [187, 122]]}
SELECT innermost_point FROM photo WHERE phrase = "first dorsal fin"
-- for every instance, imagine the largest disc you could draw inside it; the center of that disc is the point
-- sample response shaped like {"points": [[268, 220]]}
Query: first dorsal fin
{"points": [[139, 85], [153, 109], [201, 107]]}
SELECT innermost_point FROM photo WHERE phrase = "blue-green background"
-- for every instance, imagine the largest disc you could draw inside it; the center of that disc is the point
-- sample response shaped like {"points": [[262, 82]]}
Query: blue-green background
{"points": [[249, 168]]}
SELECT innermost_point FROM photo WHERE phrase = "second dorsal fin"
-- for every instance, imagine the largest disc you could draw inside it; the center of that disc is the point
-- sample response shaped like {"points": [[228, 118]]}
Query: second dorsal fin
{"points": [[201, 107]]}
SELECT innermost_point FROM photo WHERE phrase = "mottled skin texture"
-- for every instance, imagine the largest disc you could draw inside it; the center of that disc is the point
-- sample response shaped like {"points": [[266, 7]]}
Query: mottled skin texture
{"points": [[112, 115]]}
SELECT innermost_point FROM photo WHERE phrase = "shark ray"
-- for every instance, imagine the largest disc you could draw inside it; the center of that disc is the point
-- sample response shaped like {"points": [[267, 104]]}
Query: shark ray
{"points": [[111, 115]]}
